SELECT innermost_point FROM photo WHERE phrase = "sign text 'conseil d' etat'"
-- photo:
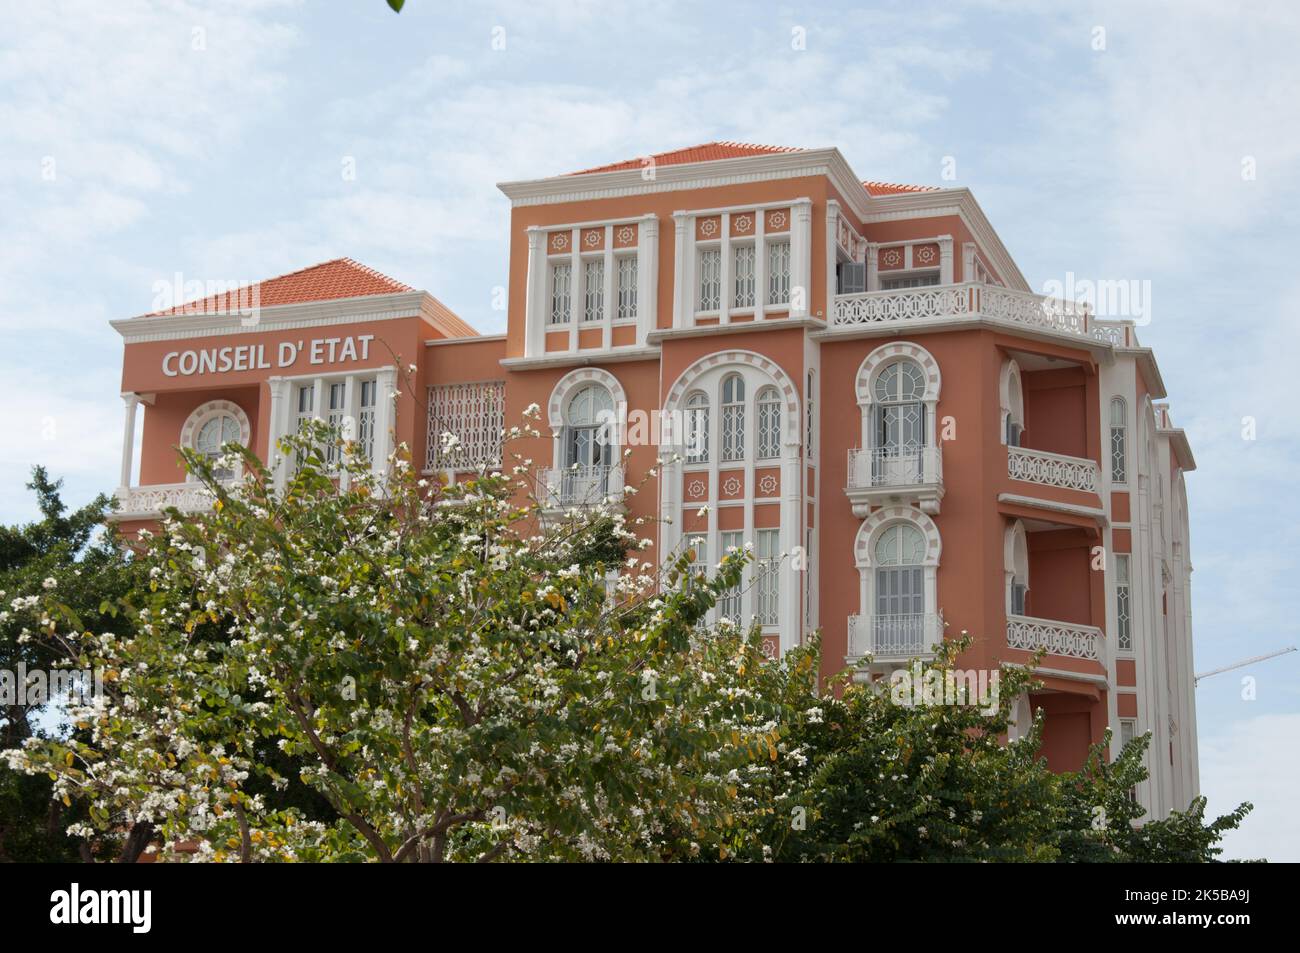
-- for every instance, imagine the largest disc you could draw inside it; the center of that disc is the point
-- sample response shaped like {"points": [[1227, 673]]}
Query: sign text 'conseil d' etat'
{"points": [[252, 357]]}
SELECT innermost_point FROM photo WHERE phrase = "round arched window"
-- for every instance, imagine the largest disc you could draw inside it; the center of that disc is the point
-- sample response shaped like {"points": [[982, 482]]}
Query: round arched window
{"points": [[215, 433]]}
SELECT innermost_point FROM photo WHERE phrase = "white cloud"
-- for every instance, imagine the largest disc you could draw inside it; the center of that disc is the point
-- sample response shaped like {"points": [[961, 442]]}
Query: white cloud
{"points": [[1256, 760]]}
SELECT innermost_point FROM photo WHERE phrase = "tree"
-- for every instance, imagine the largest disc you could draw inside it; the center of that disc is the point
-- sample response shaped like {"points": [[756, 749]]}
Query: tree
{"points": [[879, 773], [60, 551], [451, 679]]}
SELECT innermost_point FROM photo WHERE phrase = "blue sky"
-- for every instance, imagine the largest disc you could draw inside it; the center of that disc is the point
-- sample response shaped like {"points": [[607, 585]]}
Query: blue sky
{"points": [[144, 139]]}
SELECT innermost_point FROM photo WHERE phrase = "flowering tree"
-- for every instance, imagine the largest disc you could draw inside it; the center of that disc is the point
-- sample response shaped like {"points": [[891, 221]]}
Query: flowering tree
{"points": [[59, 550], [872, 774], [455, 677]]}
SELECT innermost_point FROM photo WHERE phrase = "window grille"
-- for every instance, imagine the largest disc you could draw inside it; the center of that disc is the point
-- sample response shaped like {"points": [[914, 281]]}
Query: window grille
{"points": [[475, 414]]}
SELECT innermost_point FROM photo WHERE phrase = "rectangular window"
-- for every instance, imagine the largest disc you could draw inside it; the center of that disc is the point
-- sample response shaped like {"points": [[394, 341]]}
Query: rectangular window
{"points": [[767, 573], [729, 603], [594, 291], [698, 546], [1123, 613], [710, 280], [742, 276], [1118, 441], [561, 280], [366, 419], [778, 273], [306, 398], [337, 392], [627, 279], [475, 415], [1018, 591], [922, 280]]}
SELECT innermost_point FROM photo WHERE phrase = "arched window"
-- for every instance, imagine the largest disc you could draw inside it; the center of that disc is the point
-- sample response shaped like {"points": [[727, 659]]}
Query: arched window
{"points": [[1017, 569], [697, 427], [769, 423], [1118, 441], [900, 414], [733, 418], [900, 432], [215, 433], [899, 617], [586, 431], [1015, 422]]}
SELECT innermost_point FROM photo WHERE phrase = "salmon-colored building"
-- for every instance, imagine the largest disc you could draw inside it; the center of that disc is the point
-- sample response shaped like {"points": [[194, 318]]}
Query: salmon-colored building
{"points": [[852, 377]]}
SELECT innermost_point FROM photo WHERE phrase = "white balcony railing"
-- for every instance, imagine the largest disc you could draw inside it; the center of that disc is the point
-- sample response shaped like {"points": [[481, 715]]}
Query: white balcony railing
{"points": [[149, 501], [564, 487], [1055, 638], [1052, 469], [874, 467], [894, 636], [974, 300]]}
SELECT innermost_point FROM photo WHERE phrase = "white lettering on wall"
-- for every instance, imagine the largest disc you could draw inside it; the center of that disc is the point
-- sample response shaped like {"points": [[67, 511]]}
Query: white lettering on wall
{"points": [[254, 357]]}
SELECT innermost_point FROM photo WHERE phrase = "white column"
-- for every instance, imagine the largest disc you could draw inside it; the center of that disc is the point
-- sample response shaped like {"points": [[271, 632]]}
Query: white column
{"points": [[800, 258], [534, 294], [132, 401], [945, 259], [724, 269], [278, 425], [873, 266], [968, 261], [683, 269], [647, 278], [832, 242], [385, 387]]}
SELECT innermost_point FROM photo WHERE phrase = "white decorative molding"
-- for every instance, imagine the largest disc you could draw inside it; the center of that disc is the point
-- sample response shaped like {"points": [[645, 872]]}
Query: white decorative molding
{"points": [[149, 502], [1053, 469], [881, 519], [307, 314], [571, 382], [1056, 638], [789, 395]]}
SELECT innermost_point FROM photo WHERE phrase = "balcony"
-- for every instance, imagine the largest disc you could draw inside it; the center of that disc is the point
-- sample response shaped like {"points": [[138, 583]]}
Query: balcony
{"points": [[148, 502], [879, 475], [1053, 469], [1067, 639], [971, 301], [566, 488], [893, 638]]}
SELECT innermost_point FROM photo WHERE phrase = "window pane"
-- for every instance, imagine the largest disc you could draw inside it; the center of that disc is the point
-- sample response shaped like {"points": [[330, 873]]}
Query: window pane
{"points": [[594, 292], [778, 273], [710, 280], [743, 276], [561, 276], [627, 279]]}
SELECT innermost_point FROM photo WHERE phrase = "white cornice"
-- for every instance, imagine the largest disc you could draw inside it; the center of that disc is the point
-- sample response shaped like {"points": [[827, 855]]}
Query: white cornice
{"points": [[960, 202], [688, 175], [1054, 506], [581, 358], [308, 314], [735, 327], [773, 166]]}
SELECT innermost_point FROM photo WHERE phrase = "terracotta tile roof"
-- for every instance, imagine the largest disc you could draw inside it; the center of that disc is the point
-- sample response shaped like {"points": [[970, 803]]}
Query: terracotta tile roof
{"points": [[339, 278], [893, 188], [707, 152]]}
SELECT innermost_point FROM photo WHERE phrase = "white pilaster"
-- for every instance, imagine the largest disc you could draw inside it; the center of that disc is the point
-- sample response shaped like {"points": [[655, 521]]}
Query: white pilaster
{"points": [[945, 259], [131, 402], [647, 277], [800, 258], [535, 293]]}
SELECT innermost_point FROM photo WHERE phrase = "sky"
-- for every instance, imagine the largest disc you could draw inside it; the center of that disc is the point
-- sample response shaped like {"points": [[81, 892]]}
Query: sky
{"points": [[1145, 142]]}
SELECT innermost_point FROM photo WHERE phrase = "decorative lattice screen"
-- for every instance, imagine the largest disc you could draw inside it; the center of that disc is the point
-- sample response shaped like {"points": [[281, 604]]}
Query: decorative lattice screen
{"points": [[475, 414]]}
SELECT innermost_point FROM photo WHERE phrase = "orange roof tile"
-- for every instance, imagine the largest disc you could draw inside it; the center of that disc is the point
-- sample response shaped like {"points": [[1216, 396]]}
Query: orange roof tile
{"points": [[339, 278], [893, 188], [706, 152]]}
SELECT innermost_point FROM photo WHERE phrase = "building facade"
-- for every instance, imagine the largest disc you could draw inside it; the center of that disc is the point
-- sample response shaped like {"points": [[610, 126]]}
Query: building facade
{"points": [[852, 377]]}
